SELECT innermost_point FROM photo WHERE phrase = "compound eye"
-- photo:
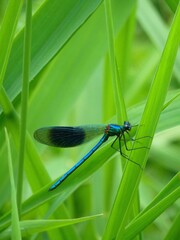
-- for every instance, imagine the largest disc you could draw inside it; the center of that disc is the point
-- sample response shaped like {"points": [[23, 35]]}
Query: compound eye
{"points": [[127, 125]]}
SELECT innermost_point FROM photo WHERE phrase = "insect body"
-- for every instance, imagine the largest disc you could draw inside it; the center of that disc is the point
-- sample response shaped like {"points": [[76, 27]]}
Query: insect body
{"points": [[74, 136]]}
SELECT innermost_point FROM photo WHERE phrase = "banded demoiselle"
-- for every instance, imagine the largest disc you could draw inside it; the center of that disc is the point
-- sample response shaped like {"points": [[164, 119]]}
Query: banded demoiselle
{"points": [[73, 136]]}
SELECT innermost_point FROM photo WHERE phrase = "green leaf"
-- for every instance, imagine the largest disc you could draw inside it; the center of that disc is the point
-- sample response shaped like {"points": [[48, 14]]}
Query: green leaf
{"points": [[7, 31], [164, 199], [29, 227], [15, 225], [155, 101]]}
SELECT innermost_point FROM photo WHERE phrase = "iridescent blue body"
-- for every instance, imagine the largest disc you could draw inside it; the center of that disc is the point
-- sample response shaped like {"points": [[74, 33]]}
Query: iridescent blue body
{"points": [[73, 136]]}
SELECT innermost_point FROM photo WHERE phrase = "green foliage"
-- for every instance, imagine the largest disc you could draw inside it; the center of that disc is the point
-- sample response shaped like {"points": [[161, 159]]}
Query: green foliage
{"points": [[90, 62]]}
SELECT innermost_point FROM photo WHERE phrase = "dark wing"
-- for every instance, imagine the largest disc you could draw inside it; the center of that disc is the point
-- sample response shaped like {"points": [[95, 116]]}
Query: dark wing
{"points": [[60, 136]]}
